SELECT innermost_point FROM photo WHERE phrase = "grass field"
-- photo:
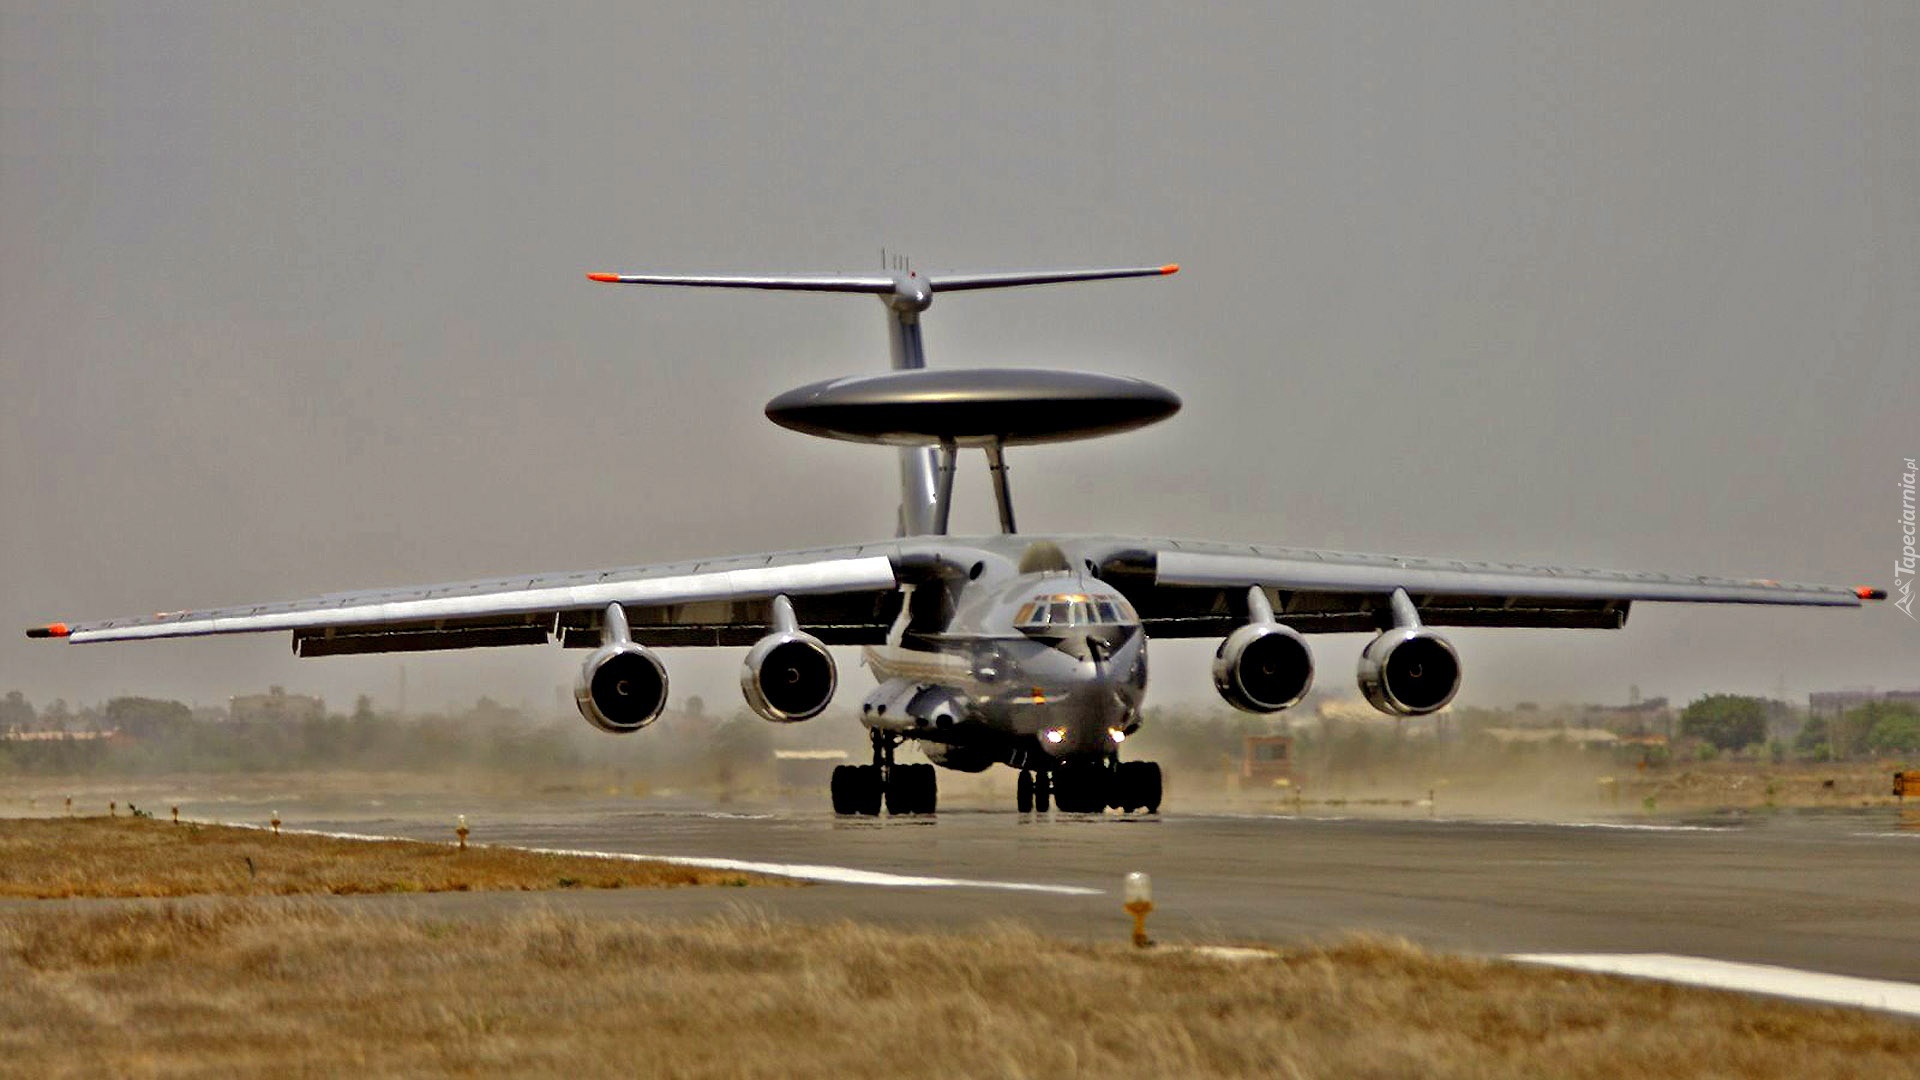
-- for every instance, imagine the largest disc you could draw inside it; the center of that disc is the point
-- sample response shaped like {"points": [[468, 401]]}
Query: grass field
{"points": [[295, 988], [50, 858]]}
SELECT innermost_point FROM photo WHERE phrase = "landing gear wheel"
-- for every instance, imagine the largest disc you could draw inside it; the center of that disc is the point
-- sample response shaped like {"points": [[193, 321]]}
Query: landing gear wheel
{"points": [[1138, 786], [856, 790], [929, 789], [913, 790], [1083, 789], [1042, 791], [1023, 793]]}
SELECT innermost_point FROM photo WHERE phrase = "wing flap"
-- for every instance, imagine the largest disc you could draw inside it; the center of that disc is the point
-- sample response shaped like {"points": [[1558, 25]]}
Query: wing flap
{"points": [[423, 637], [854, 618]]}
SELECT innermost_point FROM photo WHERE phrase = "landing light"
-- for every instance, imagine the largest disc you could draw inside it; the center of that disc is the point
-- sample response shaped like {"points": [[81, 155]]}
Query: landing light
{"points": [[1118, 736], [1054, 735]]}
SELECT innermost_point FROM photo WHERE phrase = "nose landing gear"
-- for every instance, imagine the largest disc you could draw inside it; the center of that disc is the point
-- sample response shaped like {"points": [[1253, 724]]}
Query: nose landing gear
{"points": [[1034, 792], [1089, 789]]}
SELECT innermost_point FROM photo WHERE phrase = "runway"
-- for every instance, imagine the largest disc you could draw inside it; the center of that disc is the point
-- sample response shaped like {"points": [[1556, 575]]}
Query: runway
{"points": [[1834, 892]]}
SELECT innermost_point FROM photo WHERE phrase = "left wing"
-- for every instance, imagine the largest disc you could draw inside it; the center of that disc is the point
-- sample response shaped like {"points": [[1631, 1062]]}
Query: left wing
{"points": [[1193, 588], [842, 593]]}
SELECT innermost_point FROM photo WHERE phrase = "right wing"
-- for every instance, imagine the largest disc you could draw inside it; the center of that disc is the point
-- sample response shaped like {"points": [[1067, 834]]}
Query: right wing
{"points": [[1188, 588], [845, 595]]}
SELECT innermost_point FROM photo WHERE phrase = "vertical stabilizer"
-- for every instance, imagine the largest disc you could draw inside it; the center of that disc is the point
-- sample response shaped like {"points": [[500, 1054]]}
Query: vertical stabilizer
{"points": [[919, 471]]}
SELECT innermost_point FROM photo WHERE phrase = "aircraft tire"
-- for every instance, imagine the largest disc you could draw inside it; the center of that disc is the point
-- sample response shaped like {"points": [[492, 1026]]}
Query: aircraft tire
{"points": [[928, 788], [1042, 792], [1081, 790], [856, 790], [1139, 787], [900, 792], [1023, 793], [842, 789], [914, 790]]}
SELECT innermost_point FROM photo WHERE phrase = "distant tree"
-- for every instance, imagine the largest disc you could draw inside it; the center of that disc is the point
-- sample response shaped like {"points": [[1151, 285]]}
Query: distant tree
{"points": [[1812, 740], [56, 716], [16, 712], [144, 718], [1726, 721], [1889, 727]]}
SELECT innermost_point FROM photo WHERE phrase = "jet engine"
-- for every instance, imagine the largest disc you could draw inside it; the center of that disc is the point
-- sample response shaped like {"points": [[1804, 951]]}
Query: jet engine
{"points": [[1263, 666], [622, 688], [1409, 671], [788, 676]]}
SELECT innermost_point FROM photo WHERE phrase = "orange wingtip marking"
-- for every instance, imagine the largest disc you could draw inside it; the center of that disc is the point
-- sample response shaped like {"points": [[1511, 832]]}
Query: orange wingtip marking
{"points": [[615, 278], [58, 629], [1170, 268], [1868, 592]]}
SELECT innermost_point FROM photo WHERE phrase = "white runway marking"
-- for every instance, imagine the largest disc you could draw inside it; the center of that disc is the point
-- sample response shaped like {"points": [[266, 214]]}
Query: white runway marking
{"points": [[1627, 826], [835, 875], [1881, 994]]}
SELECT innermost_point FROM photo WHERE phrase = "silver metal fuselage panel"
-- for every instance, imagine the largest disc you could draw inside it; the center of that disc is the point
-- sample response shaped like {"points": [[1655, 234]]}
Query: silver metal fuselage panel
{"points": [[975, 679]]}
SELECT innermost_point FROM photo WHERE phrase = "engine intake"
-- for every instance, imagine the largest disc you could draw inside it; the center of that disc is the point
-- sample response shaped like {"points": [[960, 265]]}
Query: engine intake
{"points": [[788, 676], [622, 688], [1263, 668], [1409, 671]]}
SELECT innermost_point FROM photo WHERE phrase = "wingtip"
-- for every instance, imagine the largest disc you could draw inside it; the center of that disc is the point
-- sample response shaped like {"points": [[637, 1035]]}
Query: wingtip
{"points": [[1868, 592], [611, 278], [1170, 268], [51, 630]]}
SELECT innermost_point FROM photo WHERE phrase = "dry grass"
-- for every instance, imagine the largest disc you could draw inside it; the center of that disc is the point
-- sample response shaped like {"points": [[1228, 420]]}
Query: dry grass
{"points": [[48, 858], [294, 988], [1749, 785]]}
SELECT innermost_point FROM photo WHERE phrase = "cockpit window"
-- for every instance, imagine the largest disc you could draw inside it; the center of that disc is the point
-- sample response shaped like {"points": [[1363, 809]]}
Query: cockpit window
{"points": [[1067, 610]]}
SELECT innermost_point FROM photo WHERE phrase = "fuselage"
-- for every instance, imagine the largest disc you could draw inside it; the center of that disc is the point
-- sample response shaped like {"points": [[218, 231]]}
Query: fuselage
{"points": [[1027, 669]]}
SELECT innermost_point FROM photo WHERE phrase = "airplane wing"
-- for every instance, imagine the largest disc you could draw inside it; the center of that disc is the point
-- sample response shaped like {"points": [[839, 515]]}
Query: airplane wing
{"points": [[1186, 588], [845, 595]]}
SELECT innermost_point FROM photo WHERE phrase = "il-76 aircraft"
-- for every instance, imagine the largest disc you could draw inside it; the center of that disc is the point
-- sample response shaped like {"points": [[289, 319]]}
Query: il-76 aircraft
{"points": [[1008, 649]]}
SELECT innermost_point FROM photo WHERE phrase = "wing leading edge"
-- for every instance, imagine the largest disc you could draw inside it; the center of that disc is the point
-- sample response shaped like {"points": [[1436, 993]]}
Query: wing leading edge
{"points": [[686, 602]]}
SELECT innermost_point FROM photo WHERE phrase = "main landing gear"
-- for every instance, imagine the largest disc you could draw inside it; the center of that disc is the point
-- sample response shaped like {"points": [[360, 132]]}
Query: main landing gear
{"points": [[1089, 789], [906, 789]]}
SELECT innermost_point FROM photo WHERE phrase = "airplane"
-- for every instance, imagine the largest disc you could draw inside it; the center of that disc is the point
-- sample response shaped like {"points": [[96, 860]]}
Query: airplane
{"points": [[1006, 649]]}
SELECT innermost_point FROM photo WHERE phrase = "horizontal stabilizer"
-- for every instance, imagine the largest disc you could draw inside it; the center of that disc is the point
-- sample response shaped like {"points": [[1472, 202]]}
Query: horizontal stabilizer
{"points": [[885, 283], [790, 282], [1010, 278]]}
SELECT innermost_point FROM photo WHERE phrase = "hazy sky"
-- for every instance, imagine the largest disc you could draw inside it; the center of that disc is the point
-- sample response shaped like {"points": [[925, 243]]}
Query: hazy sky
{"points": [[291, 302]]}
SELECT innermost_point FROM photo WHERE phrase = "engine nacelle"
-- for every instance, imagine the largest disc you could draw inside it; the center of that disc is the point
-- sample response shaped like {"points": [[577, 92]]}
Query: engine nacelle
{"points": [[1409, 671], [1263, 667], [789, 676], [622, 688]]}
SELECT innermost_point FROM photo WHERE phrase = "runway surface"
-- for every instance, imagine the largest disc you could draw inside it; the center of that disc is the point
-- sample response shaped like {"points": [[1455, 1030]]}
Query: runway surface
{"points": [[1824, 892]]}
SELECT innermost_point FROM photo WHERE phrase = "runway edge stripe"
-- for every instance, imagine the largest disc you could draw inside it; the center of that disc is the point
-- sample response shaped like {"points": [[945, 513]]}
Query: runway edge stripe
{"points": [[832, 875], [1883, 995]]}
